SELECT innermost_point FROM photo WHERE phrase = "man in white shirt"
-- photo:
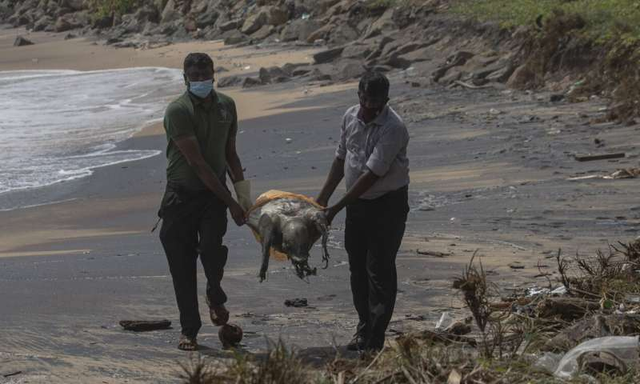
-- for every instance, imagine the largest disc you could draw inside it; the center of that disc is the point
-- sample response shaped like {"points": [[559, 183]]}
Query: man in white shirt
{"points": [[372, 158]]}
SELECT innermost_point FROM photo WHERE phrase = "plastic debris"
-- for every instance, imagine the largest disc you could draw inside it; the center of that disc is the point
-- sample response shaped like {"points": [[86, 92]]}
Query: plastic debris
{"points": [[445, 321], [619, 352]]}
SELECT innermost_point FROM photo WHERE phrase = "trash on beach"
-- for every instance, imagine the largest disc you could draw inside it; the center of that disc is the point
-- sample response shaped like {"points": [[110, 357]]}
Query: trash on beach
{"points": [[296, 303], [445, 321], [537, 291], [612, 355], [628, 173], [11, 374], [288, 140], [426, 252], [145, 325], [604, 156]]}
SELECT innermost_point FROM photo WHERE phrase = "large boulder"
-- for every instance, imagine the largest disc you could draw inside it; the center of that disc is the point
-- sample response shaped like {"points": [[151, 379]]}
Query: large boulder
{"points": [[273, 75], [254, 22], [327, 56], [206, 19], [299, 29], [350, 69], [43, 23], [321, 33], [170, 13], [263, 32], [343, 34], [229, 81], [21, 42], [67, 22], [231, 25]]}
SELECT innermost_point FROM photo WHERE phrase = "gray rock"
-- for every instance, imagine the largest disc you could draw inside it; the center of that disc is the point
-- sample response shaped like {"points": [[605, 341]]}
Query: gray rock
{"points": [[350, 69], [299, 30], [70, 36], [276, 16], [103, 22], [254, 23], [321, 33], [273, 75], [43, 23], [250, 82], [328, 55], [66, 23], [384, 23], [357, 50], [397, 62], [343, 34], [75, 5], [170, 14], [230, 25], [21, 42], [302, 71], [229, 81], [206, 19], [289, 68], [236, 37], [263, 32], [419, 55]]}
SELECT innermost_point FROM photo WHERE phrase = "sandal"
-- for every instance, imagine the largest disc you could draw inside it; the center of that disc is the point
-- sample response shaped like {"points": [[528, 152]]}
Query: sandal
{"points": [[187, 343]]}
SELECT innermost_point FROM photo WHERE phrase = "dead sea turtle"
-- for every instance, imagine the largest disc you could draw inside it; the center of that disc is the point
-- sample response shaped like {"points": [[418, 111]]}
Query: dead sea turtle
{"points": [[288, 224]]}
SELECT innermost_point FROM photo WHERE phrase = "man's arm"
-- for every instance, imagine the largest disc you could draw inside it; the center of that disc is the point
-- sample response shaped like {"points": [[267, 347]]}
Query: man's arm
{"points": [[233, 161], [190, 149], [362, 185], [336, 174]]}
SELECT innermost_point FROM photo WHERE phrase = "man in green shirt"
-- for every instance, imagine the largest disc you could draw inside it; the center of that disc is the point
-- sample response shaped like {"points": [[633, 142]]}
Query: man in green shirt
{"points": [[201, 127]]}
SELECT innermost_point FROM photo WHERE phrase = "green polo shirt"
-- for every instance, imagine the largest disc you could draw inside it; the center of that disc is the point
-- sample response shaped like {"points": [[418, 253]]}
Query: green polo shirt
{"points": [[211, 122]]}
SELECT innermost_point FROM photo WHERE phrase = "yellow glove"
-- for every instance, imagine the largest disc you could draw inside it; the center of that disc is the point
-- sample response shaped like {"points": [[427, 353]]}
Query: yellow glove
{"points": [[243, 194]]}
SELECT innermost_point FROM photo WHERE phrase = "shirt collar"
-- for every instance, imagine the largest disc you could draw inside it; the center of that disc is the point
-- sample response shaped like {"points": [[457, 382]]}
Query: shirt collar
{"points": [[380, 120]]}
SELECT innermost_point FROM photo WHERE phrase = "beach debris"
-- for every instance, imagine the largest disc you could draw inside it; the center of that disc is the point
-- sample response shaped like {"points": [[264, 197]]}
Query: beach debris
{"points": [[603, 156], [288, 140], [145, 325], [12, 374], [626, 173], [230, 335], [444, 322], [455, 377], [296, 303], [21, 42], [426, 252], [612, 355], [593, 327], [565, 308], [516, 265], [287, 225], [537, 291]]}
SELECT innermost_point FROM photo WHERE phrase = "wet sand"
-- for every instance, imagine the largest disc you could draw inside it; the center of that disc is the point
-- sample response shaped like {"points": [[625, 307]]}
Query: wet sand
{"points": [[491, 182]]}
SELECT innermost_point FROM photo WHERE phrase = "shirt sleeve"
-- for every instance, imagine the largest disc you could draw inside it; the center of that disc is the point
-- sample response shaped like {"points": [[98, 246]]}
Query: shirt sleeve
{"points": [[178, 123], [233, 130], [341, 151], [387, 149]]}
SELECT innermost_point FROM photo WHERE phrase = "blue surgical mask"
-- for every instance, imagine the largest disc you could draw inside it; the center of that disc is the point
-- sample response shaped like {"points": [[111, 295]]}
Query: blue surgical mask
{"points": [[201, 89]]}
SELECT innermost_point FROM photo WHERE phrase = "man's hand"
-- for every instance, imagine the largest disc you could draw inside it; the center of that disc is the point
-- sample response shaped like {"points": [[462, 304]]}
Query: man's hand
{"points": [[330, 213], [237, 213], [322, 201]]}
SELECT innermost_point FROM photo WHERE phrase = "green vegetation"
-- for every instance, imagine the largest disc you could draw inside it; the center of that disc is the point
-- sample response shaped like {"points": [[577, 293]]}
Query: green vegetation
{"points": [[113, 7], [605, 19]]}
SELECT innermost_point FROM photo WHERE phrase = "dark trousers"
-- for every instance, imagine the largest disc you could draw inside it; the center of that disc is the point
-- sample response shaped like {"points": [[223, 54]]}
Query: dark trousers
{"points": [[373, 233], [194, 224]]}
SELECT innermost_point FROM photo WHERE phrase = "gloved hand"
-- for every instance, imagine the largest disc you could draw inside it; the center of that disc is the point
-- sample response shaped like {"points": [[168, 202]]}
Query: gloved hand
{"points": [[243, 194]]}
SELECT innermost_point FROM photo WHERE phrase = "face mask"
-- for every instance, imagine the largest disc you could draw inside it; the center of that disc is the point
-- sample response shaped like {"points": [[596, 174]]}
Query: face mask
{"points": [[201, 89]]}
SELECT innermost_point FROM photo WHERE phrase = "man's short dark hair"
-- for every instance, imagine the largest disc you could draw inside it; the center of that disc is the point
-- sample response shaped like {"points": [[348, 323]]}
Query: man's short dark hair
{"points": [[199, 60], [374, 84]]}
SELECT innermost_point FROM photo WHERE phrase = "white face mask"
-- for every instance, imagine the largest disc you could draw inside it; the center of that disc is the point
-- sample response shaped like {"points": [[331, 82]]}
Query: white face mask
{"points": [[201, 89]]}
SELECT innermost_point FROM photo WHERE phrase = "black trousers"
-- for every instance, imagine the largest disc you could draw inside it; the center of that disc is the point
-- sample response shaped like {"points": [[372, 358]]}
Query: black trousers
{"points": [[373, 233], [193, 225]]}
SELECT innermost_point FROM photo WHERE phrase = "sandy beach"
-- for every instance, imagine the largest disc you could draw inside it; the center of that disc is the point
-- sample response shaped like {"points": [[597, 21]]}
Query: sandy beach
{"points": [[83, 258]]}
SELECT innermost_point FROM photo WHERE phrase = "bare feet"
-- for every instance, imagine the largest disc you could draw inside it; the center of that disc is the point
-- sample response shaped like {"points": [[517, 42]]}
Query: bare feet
{"points": [[219, 314], [187, 343]]}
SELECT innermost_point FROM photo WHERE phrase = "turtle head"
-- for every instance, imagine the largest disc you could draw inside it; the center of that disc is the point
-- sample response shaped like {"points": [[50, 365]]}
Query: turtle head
{"points": [[296, 243]]}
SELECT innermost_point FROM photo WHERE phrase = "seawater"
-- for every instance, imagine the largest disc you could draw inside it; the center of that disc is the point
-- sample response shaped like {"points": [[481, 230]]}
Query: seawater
{"points": [[61, 125]]}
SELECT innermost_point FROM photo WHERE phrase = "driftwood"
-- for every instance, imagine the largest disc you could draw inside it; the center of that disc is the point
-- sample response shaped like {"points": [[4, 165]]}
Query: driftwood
{"points": [[565, 308], [145, 325], [604, 156]]}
